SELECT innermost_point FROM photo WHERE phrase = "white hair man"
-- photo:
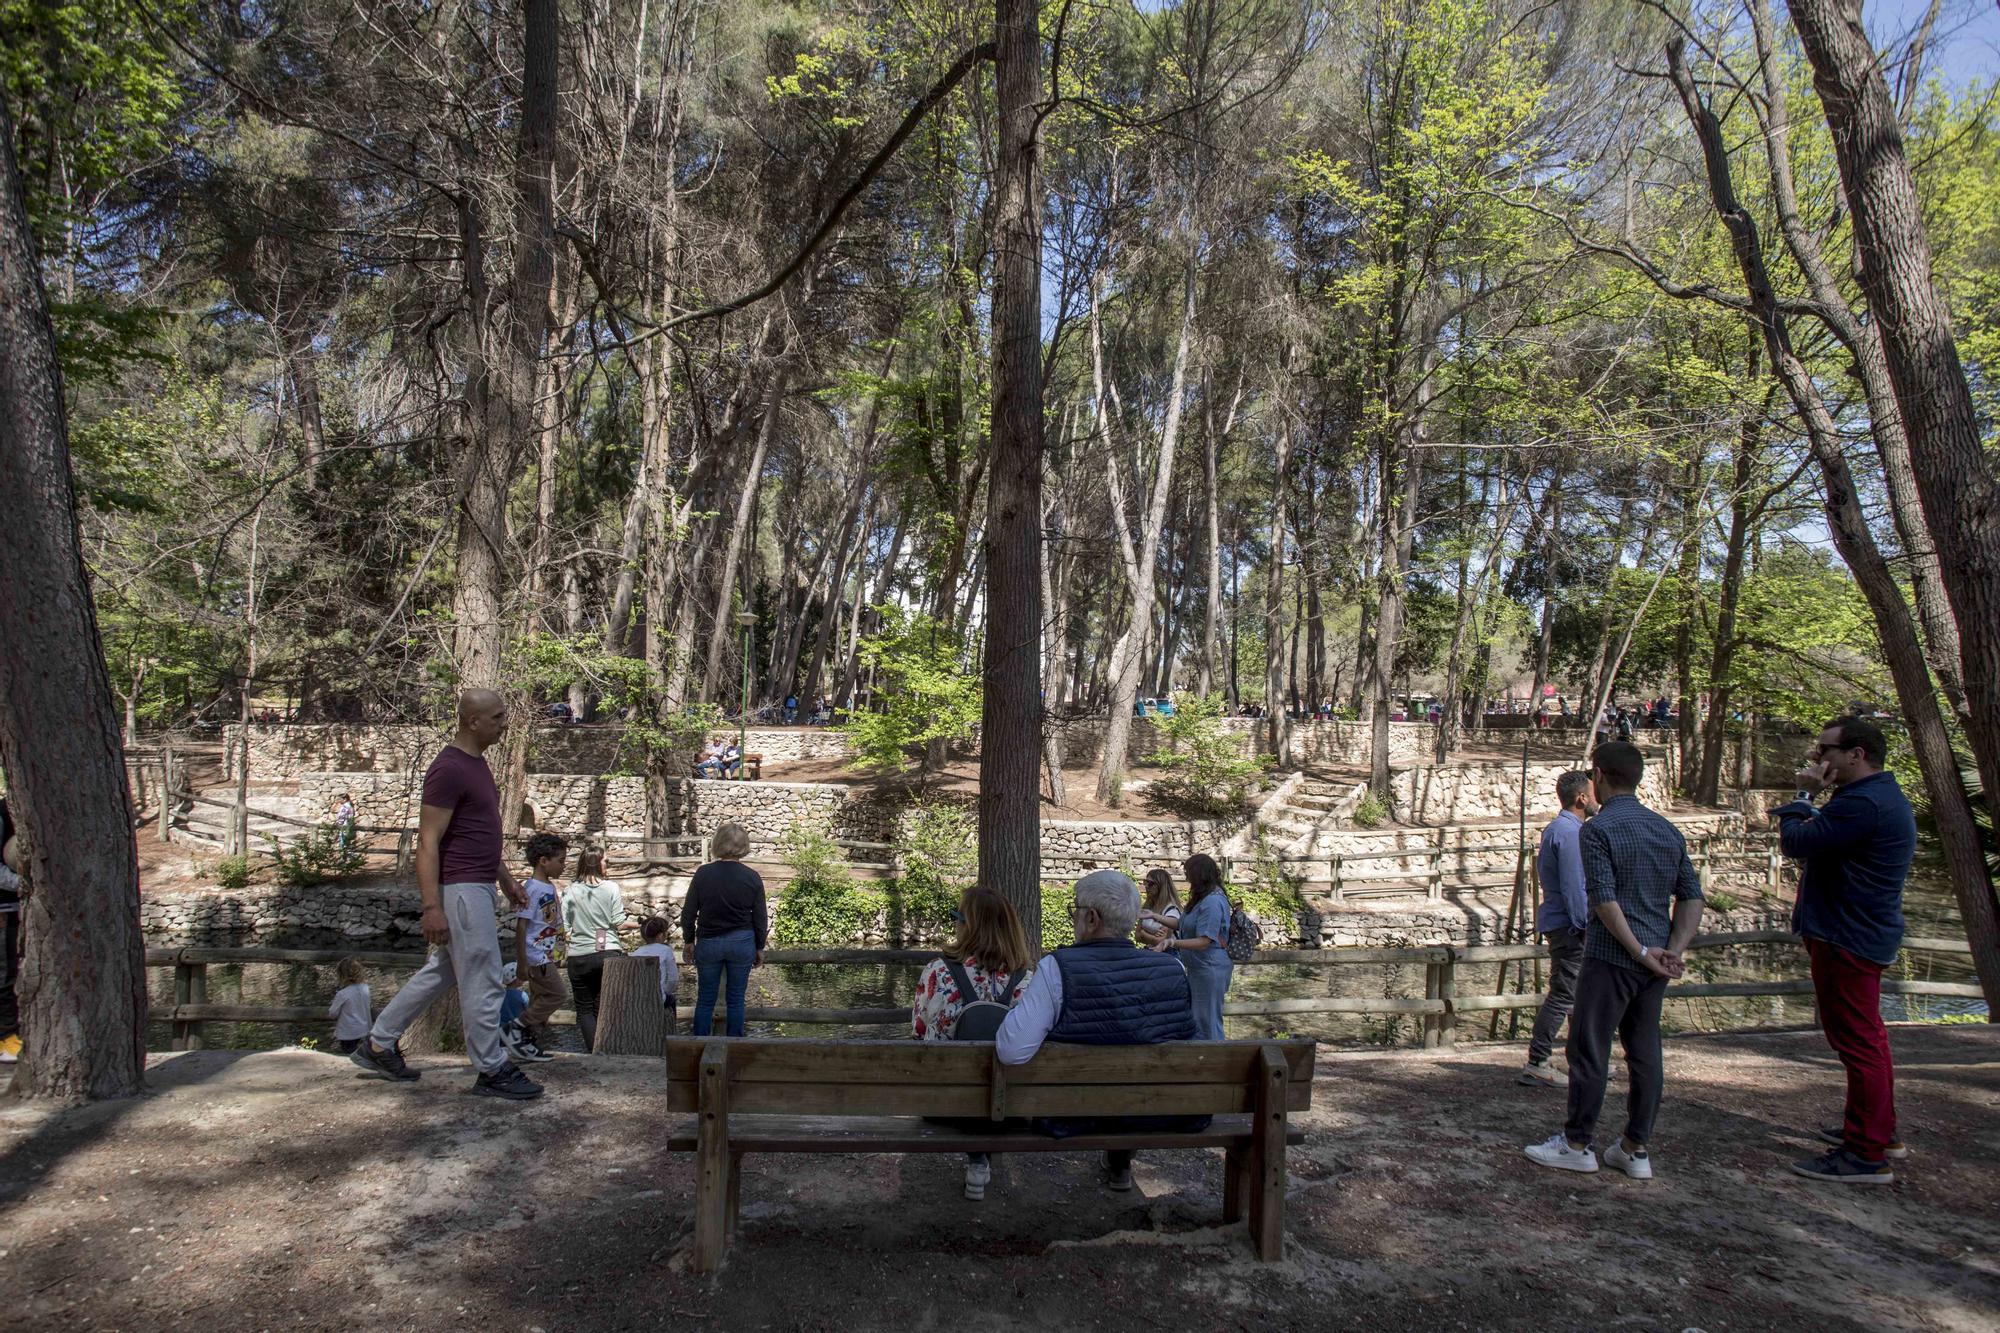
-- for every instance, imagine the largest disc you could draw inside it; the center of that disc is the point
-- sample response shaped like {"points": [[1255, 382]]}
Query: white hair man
{"points": [[1103, 990]]}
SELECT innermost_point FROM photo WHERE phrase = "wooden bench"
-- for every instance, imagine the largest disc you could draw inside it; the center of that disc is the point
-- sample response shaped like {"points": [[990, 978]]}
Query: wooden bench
{"points": [[800, 1096]]}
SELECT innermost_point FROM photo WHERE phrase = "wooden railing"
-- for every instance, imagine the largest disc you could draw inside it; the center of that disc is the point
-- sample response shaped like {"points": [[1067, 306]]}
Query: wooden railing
{"points": [[1758, 848], [1439, 1005]]}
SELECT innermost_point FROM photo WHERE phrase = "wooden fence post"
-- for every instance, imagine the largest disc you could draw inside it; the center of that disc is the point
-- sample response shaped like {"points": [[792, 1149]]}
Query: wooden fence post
{"points": [[1436, 886], [1338, 892], [1431, 984], [403, 852], [190, 987], [166, 791], [1448, 992]]}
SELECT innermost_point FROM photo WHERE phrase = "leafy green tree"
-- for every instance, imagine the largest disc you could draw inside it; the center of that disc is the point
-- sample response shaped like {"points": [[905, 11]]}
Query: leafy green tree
{"points": [[926, 688], [1207, 772]]}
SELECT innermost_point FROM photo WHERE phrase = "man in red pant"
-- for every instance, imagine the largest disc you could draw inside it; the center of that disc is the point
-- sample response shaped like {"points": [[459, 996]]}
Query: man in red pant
{"points": [[1857, 850]]}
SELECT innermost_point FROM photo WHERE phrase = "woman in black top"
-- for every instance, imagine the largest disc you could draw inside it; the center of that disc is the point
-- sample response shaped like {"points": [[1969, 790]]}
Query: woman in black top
{"points": [[724, 920]]}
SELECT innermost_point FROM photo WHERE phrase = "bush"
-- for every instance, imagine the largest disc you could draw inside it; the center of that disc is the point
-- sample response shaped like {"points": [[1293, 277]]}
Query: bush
{"points": [[1207, 771], [1370, 813], [321, 856], [928, 690], [934, 847], [1721, 900], [823, 907], [233, 872], [1057, 900], [1273, 892]]}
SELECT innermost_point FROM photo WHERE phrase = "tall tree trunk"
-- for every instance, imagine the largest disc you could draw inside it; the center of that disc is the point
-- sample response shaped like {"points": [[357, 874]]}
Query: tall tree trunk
{"points": [[721, 627], [1401, 473], [82, 989], [1142, 548], [1961, 495], [1276, 719], [1958, 832], [508, 330], [1010, 814], [1722, 657]]}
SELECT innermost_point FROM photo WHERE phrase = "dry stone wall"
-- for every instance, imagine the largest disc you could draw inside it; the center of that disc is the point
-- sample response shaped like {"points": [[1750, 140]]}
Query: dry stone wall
{"points": [[1462, 793], [1333, 744]]}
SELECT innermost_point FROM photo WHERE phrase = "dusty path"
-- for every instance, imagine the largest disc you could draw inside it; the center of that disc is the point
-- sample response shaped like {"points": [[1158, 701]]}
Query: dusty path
{"points": [[277, 1190]]}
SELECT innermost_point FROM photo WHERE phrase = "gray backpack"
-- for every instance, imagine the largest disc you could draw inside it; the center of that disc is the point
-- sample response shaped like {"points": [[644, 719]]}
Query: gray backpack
{"points": [[982, 1015]]}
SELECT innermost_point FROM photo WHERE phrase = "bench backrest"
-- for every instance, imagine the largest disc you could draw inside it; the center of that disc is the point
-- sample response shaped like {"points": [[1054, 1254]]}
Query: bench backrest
{"points": [[799, 1076]]}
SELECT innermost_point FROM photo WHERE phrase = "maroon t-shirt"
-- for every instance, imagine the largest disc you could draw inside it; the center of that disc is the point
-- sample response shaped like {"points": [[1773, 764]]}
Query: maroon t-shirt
{"points": [[469, 851]]}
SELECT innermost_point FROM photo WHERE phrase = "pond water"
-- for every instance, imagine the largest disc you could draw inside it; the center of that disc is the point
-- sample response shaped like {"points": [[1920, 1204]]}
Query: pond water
{"points": [[1928, 906]]}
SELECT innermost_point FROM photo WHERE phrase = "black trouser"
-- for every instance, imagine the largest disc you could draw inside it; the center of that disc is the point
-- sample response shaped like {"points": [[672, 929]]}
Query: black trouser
{"points": [[10, 970], [586, 979], [1565, 961], [1625, 1000]]}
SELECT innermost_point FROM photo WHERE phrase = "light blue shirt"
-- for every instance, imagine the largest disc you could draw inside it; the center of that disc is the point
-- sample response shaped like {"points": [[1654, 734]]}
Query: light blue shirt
{"points": [[1565, 897], [1033, 1016], [1210, 918]]}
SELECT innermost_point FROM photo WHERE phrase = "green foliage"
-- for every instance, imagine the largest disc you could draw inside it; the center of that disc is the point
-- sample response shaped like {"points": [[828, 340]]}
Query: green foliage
{"points": [[543, 667], [934, 846], [1057, 929], [1370, 812], [1273, 893], [1721, 900], [822, 907], [321, 856], [233, 872], [1207, 773], [928, 690]]}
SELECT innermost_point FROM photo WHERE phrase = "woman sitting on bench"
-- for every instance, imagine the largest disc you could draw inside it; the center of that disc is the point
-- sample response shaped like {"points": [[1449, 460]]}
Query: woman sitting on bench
{"points": [[986, 965]]}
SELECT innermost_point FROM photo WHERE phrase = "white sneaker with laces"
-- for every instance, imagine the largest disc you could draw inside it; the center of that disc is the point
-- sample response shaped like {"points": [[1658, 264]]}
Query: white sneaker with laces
{"points": [[978, 1175], [1545, 1074], [1637, 1165], [1556, 1152]]}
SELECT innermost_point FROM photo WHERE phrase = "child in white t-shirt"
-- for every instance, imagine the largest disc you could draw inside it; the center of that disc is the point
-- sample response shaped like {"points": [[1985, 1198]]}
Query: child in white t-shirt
{"points": [[352, 1008], [654, 931], [538, 947]]}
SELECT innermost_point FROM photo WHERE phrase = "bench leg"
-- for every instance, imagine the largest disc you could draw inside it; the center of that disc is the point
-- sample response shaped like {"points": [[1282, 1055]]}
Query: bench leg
{"points": [[1267, 1203], [715, 1175], [1239, 1182]]}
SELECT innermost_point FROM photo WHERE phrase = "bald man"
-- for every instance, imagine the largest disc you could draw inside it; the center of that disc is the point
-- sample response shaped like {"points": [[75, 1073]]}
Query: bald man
{"points": [[458, 866]]}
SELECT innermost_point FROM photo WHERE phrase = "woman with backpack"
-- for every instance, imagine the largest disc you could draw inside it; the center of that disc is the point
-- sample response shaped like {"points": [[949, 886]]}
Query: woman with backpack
{"points": [[1202, 941], [964, 995]]}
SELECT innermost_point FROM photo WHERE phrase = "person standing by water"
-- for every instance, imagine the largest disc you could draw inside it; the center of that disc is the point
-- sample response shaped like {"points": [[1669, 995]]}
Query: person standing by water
{"points": [[725, 923], [458, 867], [1645, 900], [592, 911], [1857, 850], [350, 1010], [1562, 919], [1201, 939]]}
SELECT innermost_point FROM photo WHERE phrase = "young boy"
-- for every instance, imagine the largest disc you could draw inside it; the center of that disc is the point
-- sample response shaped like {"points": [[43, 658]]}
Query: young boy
{"points": [[538, 947], [654, 931]]}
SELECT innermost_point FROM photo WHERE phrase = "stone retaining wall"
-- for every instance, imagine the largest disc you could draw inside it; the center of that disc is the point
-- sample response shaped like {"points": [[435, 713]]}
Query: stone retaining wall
{"points": [[768, 809], [280, 753], [1462, 793], [1333, 744]]}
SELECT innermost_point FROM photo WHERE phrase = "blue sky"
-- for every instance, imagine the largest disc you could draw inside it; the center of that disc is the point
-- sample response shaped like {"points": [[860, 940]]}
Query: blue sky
{"points": [[1965, 41]]}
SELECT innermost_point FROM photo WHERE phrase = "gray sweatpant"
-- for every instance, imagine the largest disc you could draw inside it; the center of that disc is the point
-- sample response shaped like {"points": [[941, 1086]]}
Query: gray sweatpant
{"points": [[469, 961]]}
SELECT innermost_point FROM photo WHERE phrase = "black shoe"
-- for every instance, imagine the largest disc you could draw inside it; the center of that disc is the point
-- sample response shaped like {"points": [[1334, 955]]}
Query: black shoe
{"points": [[508, 1082], [1841, 1167], [386, 1062], [1835, 1135]]}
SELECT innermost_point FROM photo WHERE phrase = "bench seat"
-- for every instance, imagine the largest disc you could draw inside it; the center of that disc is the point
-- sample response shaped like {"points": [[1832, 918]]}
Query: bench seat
{"points": [[905, 1134]]}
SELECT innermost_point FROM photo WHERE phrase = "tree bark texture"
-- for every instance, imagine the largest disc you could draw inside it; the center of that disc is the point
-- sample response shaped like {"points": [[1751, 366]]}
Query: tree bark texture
{"points": [[1961, 495], [83, 980], [1958, 833], [1010, 814]]}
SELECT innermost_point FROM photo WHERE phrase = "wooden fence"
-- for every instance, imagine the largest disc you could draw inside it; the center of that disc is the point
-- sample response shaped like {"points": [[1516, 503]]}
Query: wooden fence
{"points": [[1439, 1006]]}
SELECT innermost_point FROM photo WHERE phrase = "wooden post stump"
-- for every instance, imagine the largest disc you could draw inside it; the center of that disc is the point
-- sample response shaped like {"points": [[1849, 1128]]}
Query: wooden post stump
{"points": [[630, 1018]]}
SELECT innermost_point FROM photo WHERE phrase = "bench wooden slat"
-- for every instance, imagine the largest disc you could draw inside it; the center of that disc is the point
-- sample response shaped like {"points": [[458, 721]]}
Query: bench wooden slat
{"points": [[902, 1134], [1065, 1099], [944, 1063]]}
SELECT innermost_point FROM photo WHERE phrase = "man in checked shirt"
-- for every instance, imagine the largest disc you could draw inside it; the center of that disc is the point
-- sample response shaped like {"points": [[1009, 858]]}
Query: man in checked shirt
{"points": [[1645, 902]]}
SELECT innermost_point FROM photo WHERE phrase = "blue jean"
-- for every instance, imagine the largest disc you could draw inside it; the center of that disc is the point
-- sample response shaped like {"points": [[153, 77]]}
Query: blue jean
{"points": [[1208, 982], [715, 956]]}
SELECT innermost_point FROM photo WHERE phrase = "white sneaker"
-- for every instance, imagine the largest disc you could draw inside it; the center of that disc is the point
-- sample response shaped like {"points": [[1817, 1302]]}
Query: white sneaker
{"points": [[1637, 1165], [1545, 1074], [978, 1175], [1557, 1153]]}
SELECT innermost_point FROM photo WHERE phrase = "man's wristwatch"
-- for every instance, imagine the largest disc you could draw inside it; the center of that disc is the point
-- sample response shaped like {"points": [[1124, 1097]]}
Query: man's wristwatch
{"points": [[1802, 795]]}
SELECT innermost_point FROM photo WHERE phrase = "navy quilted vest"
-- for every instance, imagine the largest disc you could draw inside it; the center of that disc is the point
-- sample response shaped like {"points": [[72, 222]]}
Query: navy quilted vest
{"points": [[1117, 994]]}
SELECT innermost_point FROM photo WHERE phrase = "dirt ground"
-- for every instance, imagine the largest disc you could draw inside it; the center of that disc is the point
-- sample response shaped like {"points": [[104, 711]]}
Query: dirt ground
{"points": [[281, 1190]]}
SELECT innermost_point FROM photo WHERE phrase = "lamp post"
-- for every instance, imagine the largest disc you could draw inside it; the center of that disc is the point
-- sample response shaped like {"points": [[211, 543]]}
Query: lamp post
{"points": [[748, 620]]}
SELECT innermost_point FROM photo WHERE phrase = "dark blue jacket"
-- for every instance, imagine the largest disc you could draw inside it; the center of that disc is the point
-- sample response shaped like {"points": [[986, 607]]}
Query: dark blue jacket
{"points": [[1117, 994], [1857, 850]]}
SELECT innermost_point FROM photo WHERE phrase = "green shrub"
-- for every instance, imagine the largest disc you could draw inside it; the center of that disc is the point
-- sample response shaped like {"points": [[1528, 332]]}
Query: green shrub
{"points": [[1207, 773], [321, 856], [928, 690], [822, 907], [1721, 900], [1057, 900], [1273, 893], [1370, 813], [233, 872], [934, 848]]}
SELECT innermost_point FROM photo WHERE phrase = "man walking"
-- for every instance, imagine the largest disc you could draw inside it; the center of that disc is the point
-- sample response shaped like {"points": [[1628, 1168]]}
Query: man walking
{"points": [[458, 865], [1561, 919], [1857, 850], [1645, 900]]}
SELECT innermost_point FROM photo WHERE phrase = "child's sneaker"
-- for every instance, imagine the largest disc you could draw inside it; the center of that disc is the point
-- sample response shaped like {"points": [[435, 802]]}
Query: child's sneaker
{"points": [[978, 1175], [521, 1045], [1556, 1152]]}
